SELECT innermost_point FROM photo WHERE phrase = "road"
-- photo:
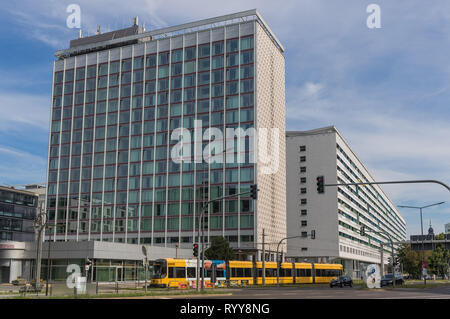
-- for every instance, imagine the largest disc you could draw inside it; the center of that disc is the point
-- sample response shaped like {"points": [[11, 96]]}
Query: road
{"points": [[335, 293]]}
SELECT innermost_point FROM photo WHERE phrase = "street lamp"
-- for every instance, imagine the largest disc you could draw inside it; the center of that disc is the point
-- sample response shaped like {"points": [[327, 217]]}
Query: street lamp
{"points": [[421, 227]]}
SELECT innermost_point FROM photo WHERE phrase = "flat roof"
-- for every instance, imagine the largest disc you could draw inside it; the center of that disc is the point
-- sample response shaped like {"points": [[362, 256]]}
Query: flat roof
{"points": [[249, 15], [11, 189]]}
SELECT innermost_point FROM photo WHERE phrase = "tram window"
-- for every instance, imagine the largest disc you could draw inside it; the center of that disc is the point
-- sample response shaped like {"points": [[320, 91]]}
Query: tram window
{"points": [[220, 273], [191, 272], [240, 272], [285, 272], [270, 272], [327, 272], [303, 272], [177, 272], [180, 272], [248, 272], [208, 273]]}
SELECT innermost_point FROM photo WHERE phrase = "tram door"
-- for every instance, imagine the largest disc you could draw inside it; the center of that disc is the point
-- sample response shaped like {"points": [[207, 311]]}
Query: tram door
{"points": [[191, 270]]}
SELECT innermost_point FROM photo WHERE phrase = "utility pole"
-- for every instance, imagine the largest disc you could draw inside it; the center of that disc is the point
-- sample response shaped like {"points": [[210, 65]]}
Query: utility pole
{"points": [[48, 263], [278, 258], [263, 258], [145, 264], [39, 225], [423, 237], [203, 251]]}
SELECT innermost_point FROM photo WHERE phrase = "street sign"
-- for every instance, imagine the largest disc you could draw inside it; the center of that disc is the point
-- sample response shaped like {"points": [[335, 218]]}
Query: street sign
{"points": [[424, 272]]}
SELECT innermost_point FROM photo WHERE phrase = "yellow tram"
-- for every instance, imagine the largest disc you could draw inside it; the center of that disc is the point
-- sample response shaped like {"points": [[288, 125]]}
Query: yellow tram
{"points": [[183, 272]]}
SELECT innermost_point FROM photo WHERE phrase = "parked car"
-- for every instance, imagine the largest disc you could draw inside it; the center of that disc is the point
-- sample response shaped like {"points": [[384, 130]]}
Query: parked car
{"points": [[388, 279], [19, 281], [341, 282]]}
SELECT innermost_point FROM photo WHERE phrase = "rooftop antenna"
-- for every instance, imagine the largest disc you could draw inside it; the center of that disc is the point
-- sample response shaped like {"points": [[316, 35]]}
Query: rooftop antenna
{"points": [[136, 21], [98, 29]]}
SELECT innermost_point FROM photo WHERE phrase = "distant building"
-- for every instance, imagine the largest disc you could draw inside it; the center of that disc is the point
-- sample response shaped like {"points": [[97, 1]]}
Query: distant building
{"points": [[39, 189], [428, 242], [447, 228], [18, 210], [337, 215]]}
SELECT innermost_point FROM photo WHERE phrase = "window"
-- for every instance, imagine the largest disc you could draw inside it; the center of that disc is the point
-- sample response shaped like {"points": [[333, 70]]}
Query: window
{"points": [[189, 53], [302, 158], [177, 272], [303, 180], [217, 48], [303, 169], [302, 148], [303, 201], [232, 45], [304, 223], [203, 50], [304, 212], [303, 190]]}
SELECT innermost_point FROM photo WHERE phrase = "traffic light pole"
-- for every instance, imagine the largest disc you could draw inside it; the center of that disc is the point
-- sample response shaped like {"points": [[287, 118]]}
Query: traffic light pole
{"points": [[278, 258], [205, 204], [382, 232], [424, 181]]}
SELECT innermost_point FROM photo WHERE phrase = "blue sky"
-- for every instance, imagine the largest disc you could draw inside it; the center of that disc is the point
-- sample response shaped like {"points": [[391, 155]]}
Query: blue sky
{"points": [[386, 90]]}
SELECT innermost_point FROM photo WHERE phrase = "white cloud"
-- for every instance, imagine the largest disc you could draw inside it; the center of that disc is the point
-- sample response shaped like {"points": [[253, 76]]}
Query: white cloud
{"points": [[19, 167], [24, 112]]}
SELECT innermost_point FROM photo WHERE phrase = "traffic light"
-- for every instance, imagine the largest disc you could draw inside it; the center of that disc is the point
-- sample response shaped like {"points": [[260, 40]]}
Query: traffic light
{"points": [[363, 231], [88, 262], [254, 191], [195, 250], [396, 261], [313, 234], [320, 186]]}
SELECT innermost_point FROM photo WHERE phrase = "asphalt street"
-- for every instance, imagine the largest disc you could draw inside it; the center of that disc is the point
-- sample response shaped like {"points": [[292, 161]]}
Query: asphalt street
{"points": [[336, 293]]}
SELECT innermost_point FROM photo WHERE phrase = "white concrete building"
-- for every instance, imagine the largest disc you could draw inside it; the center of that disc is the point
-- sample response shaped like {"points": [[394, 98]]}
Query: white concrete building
{"points": [[337, 215]]}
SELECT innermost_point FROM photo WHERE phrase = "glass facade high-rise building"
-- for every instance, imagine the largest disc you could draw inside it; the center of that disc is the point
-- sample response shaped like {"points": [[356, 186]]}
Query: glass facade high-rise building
{"points": [[117, 99]]}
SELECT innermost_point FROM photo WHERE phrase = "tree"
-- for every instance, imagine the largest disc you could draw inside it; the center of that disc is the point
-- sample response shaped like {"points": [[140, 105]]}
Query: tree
{"points": [[438, 261], [220, 250], [411, 261], [441, 236]]}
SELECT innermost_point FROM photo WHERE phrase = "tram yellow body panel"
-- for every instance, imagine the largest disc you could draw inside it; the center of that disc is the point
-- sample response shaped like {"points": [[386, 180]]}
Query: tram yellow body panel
{"points": [[324, 273]]}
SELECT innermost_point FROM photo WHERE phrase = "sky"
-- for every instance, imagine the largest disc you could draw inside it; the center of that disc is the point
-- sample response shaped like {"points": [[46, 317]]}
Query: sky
{"points": [[387, 89]]}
